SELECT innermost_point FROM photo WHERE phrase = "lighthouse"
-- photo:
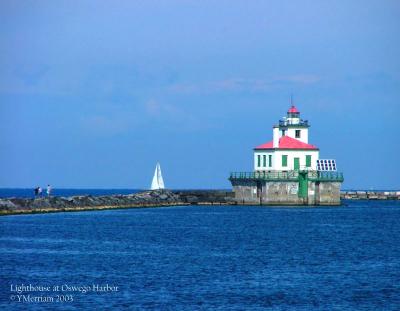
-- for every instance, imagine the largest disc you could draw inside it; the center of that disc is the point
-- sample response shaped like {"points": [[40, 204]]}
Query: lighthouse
{"points": [[289, 148], [288, 169]]}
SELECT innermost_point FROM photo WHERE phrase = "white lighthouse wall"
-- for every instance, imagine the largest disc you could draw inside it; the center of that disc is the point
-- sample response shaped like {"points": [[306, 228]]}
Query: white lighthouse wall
{"points": [[277, 159], [275, 137], [291, 132]]}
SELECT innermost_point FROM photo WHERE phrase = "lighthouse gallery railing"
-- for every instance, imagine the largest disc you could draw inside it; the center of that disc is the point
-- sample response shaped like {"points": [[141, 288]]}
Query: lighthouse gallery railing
{"points": [[288, 175]]}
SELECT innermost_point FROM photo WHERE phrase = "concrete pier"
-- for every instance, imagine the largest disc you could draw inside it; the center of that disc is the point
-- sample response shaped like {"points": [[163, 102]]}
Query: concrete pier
{"points": [[287, 188], [285, 193]]}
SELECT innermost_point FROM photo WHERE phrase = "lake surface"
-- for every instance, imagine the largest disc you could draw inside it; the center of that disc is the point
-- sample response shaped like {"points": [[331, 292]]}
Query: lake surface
{"points": [[206, 258]]}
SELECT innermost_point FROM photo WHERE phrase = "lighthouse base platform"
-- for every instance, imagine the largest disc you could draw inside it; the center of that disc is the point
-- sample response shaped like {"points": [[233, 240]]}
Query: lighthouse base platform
{"points": [[287, 188]]}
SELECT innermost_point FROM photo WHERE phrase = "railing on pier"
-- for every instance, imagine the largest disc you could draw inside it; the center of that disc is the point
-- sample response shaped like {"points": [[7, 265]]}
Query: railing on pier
{"points": [[287, 175], [328, 176], [262, 175]]}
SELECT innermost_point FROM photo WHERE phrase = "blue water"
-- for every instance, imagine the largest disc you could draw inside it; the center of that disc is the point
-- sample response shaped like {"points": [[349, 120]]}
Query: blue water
{"points": [[29, 193], [209, 257]]}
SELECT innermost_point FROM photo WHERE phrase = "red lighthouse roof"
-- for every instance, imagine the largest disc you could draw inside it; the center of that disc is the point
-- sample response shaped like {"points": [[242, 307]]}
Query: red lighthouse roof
{"points": [[293, 109], [286, 142]]}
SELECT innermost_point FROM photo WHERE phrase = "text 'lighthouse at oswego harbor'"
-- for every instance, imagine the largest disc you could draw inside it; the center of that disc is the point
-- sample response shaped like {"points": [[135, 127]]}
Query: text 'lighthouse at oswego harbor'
{"points": [[288, 170]]}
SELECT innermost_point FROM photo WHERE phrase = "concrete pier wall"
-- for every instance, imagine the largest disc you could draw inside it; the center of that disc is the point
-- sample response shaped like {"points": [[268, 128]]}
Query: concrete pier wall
{"points": [[327, 193], [246, 192], [285, 192], [281, 193]]}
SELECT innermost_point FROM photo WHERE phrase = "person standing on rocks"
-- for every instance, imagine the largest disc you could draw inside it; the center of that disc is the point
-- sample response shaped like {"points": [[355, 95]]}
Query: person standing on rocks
{"points": [[48, 191], [36, 191]]}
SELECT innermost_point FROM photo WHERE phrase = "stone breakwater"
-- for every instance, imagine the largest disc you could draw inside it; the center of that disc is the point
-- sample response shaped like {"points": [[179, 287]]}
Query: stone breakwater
{"points": [[11, 206], [370, 195]]}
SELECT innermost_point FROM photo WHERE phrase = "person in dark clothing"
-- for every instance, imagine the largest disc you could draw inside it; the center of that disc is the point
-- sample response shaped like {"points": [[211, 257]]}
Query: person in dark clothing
{"points": [[36, 192]]}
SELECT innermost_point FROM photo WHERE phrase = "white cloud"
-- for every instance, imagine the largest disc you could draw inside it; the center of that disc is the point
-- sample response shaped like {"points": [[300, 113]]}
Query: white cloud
{"points": [[110, 123], [156, 109], [241, 84]]}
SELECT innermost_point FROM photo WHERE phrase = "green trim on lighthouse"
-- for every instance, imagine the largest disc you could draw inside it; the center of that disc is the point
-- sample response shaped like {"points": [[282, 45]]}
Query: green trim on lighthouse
{"points": [[296, 164], [303, 185], [308, 160], [284, 160]]}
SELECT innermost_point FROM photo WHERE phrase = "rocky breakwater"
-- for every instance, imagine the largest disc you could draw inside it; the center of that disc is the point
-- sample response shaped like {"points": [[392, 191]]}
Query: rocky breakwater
{"points": [[11, 206], [370, 195], [206, 197]]}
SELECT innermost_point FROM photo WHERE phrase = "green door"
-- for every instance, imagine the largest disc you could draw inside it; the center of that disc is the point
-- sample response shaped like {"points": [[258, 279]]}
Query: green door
{"points": [[303, 185], [296, 164]]}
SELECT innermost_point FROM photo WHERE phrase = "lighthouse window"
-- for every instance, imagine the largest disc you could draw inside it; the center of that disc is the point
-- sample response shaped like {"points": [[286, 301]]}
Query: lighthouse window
{"points": [[308, 160], [284, 160], [297, 134], [270, 160], [258, 160], [264, 160]]}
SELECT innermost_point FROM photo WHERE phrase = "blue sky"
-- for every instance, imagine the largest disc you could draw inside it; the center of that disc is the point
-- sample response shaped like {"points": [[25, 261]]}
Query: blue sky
{"points": [[94, 93]]}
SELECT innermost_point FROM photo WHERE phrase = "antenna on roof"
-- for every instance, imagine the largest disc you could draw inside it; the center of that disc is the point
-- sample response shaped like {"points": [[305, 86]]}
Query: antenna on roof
{"points": [[291, 99]]}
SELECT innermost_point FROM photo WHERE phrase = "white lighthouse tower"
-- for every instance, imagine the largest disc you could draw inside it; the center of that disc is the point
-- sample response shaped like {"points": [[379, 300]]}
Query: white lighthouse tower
{"points": [[289, 149]]}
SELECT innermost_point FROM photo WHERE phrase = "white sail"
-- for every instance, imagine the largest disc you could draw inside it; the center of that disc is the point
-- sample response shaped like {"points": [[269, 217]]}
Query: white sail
{"points": [[158, 182]]}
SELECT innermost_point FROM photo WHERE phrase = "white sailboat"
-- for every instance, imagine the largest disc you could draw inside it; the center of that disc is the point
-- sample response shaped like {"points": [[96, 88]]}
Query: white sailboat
{"points": [[158, 182]]}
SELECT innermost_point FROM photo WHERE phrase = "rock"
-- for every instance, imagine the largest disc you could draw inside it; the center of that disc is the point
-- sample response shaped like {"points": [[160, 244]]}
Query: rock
{"points": [[7, 204]]}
